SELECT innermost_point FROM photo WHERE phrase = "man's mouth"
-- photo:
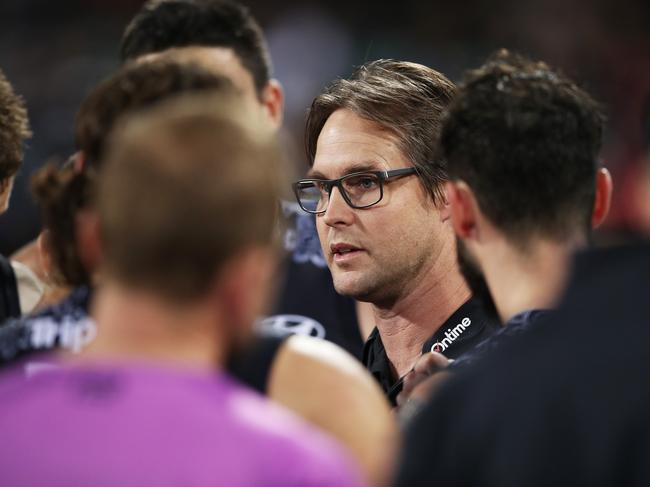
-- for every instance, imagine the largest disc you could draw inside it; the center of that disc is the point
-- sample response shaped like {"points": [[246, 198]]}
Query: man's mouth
{"points": [[342, 252]]}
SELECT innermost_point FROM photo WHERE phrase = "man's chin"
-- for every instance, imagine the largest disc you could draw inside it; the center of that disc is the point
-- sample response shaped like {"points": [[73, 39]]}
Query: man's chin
{"points": [[346, 286]]}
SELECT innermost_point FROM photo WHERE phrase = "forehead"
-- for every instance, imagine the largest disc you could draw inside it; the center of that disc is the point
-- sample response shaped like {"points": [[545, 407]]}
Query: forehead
{"points": [[349, 142], [222, 61]]}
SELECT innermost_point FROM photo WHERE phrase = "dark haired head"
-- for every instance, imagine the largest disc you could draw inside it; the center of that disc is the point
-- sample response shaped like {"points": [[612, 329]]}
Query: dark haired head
{"points": [[526, 140], [63, 192], [135, 87], [167, 24], [14, 130], [405, 98]]}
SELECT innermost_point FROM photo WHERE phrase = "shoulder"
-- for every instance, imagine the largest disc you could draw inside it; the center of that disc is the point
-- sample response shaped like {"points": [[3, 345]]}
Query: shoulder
{"points": [[332, 390], [323, 366]]}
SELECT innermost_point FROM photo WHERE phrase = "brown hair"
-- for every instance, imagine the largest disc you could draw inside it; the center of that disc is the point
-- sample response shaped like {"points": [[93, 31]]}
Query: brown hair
{"points": [[186, 186], [14, 130], [62, 192], [405, 98]]}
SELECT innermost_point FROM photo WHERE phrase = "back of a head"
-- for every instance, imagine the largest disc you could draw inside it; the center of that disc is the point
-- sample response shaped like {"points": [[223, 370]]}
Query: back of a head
{"points": [[406, 98], [136, 87], [186, 186], [526, 140], [167, 24], [62, 192], [14, 130]]}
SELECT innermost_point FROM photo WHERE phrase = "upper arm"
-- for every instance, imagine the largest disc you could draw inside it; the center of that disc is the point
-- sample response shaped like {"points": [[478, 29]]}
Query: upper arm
{"points": [[329, 388]]}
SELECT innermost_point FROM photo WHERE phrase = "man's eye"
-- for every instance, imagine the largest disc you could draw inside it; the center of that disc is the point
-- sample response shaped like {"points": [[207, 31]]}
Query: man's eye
{"points": [[363, 182]]}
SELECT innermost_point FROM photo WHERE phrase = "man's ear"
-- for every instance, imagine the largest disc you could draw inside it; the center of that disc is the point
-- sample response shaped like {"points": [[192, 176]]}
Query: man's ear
{"points": [[273, 101], [603, 199], [463, 208]]}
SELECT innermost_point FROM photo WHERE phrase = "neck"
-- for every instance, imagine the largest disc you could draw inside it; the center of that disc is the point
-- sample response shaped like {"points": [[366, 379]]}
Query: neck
{"points": [[138, 325], [530, 279], [414, 317]]}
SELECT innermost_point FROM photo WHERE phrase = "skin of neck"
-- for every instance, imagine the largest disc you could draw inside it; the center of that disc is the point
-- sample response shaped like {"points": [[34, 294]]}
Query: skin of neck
{"points": [[414, 316], [138, 325], [530, 277]]}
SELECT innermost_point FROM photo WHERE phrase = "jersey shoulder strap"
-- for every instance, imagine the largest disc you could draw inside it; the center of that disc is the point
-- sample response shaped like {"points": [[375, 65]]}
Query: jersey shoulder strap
{"points": [[252, 365], [9, 303]]}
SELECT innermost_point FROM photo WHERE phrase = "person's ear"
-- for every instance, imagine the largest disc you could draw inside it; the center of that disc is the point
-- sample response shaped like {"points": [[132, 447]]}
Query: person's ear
{"points": [[273, 101], [603, 199], [463, 208]]}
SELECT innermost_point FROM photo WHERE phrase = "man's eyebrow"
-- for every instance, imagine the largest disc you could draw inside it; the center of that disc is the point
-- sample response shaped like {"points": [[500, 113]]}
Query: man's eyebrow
{"points": [[349, 169]]}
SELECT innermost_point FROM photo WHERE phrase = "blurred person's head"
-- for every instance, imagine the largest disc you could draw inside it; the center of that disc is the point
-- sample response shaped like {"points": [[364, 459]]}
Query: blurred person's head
{"points": [[222, 35], [14, 131], [522, 147], [186, 204], [66, 194], [385, 117]]}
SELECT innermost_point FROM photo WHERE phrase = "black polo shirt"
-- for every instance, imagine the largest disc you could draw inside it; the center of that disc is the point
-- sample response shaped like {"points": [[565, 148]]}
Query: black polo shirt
{"points": [[468, 326]]}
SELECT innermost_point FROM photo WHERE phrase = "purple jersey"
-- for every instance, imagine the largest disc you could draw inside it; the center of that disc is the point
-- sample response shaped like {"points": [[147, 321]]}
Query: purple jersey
{"points": [[99, 425]]}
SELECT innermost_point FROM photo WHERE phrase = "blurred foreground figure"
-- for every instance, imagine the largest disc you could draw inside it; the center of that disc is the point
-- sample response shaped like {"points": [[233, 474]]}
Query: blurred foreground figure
{"points": [[314, 378], [184, 278], [376, 186], [526, 188], [565, 403], [20, 291]]}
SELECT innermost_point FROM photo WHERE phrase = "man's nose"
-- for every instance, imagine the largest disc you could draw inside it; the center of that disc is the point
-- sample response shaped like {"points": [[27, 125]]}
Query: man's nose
{"points": [[338, 211]]}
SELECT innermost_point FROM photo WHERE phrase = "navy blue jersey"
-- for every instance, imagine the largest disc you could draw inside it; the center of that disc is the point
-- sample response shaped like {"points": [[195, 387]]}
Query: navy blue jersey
{"points": [[9, 302], [515, 326], [307, 303], [565, 403]]}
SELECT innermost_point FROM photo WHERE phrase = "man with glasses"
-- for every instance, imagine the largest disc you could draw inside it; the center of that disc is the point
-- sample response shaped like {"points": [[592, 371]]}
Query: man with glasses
{"points": [[376, 188]]}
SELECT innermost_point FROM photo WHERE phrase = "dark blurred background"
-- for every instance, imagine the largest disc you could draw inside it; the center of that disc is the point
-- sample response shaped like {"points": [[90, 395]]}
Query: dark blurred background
{"points": [[54, 52]]}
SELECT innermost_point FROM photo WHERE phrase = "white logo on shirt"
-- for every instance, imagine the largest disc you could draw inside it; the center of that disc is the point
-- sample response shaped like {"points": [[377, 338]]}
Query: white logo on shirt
{"points": [[451, 335]]}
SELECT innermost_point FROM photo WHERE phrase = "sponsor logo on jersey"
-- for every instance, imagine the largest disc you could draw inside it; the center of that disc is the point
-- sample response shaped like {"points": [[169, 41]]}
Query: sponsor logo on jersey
{"points": [[298, 324], [70, 333], [451, 335], [301, 237]]}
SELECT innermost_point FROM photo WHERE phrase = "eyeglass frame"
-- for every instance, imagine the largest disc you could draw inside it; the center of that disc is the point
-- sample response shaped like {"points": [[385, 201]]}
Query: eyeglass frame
{"points": [[330, 184]]}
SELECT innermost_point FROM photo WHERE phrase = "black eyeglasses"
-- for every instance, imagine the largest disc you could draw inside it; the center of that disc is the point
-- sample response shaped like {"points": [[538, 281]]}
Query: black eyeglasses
{"points": [[359, 189]]}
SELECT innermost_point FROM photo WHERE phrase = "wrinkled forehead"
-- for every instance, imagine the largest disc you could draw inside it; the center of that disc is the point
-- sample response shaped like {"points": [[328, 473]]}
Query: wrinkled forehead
{"points": [[349, 143]]}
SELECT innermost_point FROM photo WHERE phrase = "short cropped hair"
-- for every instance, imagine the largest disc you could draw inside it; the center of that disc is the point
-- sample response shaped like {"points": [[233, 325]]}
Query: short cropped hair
{"points": [[526, 140], [186, 187], [406, 98], [14, 131], [61, 192], [167, 24]]}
